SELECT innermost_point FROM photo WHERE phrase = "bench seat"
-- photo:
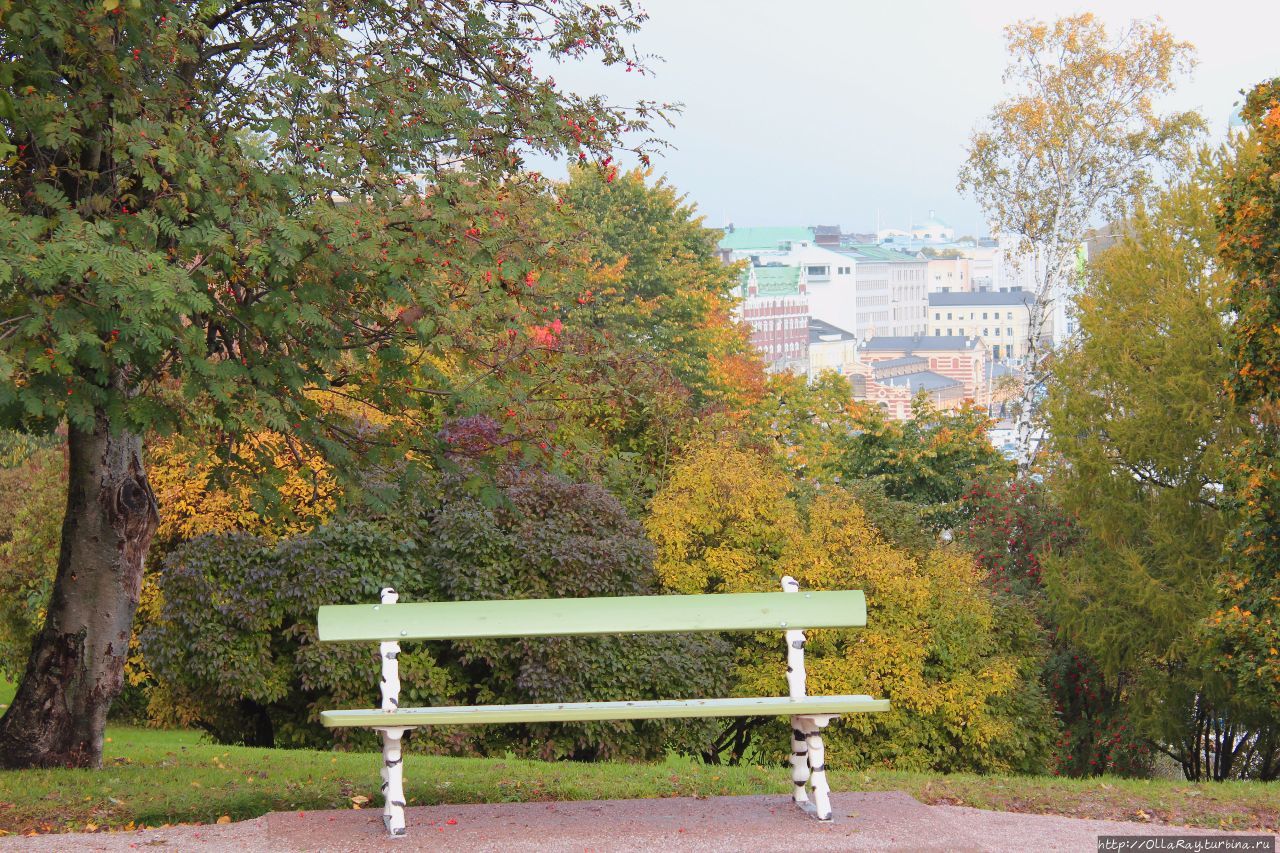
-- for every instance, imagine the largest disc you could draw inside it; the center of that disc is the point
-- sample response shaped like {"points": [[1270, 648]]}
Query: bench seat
{"points": [[753, 706], [791, 611]]}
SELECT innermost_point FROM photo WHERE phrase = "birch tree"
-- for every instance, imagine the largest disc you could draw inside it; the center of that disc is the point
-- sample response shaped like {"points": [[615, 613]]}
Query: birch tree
{"points": [[1077, 138]]}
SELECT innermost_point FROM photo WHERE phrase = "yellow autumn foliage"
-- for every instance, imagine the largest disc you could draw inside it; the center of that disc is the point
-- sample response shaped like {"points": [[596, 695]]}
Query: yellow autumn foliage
{"points": [[958, 667], [196, 499]]}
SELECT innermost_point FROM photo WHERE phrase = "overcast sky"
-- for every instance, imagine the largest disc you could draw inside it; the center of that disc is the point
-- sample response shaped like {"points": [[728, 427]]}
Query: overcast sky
{"points": [[805, 112]]}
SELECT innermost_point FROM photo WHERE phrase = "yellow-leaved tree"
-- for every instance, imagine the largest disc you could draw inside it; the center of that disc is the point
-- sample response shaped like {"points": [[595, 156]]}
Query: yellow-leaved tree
{"points": [[959, 667], [200, 496]]}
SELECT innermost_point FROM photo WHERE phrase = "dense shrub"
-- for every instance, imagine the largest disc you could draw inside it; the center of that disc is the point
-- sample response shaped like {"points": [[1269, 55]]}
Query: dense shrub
{"points": [[235, 646], [957, 664], [1010, 526]]}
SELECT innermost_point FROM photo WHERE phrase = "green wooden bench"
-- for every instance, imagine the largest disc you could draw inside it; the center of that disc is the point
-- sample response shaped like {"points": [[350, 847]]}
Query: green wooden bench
{"points": [[789, 611]]}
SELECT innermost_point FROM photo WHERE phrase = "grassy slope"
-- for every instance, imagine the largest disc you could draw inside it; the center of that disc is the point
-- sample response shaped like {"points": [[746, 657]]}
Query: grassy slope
{"points": [[156, 777]]}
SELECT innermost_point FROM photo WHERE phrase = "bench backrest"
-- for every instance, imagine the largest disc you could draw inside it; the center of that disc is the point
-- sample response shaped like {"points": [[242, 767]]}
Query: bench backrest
{"points": [[552, 617]]}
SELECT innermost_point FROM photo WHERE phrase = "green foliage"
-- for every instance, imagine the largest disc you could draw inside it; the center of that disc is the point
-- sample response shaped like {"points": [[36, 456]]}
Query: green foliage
{"points": [[235, 649], [673, 298], [959, 666], [1009, 526], [208, 214], [32, 498], [929, 460], [1137, 415], [804, 425], [1247, 625]]}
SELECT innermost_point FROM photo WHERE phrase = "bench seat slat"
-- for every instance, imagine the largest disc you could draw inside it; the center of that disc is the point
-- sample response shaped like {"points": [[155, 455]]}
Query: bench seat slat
{"points": [[558, 617], [764, 706]]}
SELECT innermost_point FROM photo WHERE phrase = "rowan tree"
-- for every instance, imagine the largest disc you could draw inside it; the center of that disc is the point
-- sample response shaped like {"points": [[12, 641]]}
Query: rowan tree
{"points": [[1248, 620], [217, 214], [1074, 142]]}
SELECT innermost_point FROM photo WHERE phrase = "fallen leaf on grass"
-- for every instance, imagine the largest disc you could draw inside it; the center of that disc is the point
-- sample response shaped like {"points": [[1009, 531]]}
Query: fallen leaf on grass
{"points": [[226, 818], [358, 800]]}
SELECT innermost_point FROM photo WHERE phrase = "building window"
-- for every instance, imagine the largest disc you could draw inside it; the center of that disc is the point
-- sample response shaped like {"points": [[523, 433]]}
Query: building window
{"points": [[984, 315], [995, 350], [985, 333], [997, 331], [937, 333], [948, 333], [937, 315], [1010, 331], [948, 317]]}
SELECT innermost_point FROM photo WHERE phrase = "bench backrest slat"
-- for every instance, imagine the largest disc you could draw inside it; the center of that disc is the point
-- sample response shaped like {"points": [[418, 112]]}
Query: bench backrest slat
{"points": [[551, 617]]}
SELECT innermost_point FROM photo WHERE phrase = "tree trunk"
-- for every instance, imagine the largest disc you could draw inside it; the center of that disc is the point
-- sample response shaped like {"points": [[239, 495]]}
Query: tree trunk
{"points": [[76, 666]]}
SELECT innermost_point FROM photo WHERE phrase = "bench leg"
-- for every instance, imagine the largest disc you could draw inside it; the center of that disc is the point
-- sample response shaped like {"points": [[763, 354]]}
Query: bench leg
{"points": [[818, 769], [799, 761], [393, 781], [809, 764]]}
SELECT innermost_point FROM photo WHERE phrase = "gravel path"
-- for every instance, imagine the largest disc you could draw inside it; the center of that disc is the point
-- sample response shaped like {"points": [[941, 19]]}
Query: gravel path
{"points": [[871, 821]]}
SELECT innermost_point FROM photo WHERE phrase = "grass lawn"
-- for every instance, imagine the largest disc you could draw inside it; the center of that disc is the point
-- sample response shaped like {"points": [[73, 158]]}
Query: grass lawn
{"points": [[150, 778]]}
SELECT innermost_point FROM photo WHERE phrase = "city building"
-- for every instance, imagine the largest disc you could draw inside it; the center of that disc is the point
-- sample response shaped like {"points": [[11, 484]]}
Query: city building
{"points": [[741, 242], [890, 291], [830, 279], [775, 305], [1000, 319], [956, 357], [952, 274], [831, 349]]}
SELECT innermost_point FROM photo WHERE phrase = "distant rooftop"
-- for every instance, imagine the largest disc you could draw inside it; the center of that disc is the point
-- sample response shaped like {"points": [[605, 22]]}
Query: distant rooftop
{"points": [[922, 343], [904, 361], [741, 239], [988, 297], [932, 221], [925, 380], [820, 332], [775, 280], [999, 371], [872, 252]]}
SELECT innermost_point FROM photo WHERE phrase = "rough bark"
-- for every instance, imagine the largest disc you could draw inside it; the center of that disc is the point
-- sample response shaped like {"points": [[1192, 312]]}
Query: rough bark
{"points": [[77, 661]]}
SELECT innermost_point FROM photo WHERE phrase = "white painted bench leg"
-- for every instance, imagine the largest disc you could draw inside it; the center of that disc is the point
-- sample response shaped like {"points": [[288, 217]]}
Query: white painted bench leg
{"points": [[799, 762], [808, 753], [818, 771], [392, 737], [393, 781]]}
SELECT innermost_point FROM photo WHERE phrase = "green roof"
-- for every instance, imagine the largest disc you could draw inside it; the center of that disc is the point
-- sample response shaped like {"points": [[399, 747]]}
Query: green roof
{"points": [[741, 239], [872, 252], [778, 280]]}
